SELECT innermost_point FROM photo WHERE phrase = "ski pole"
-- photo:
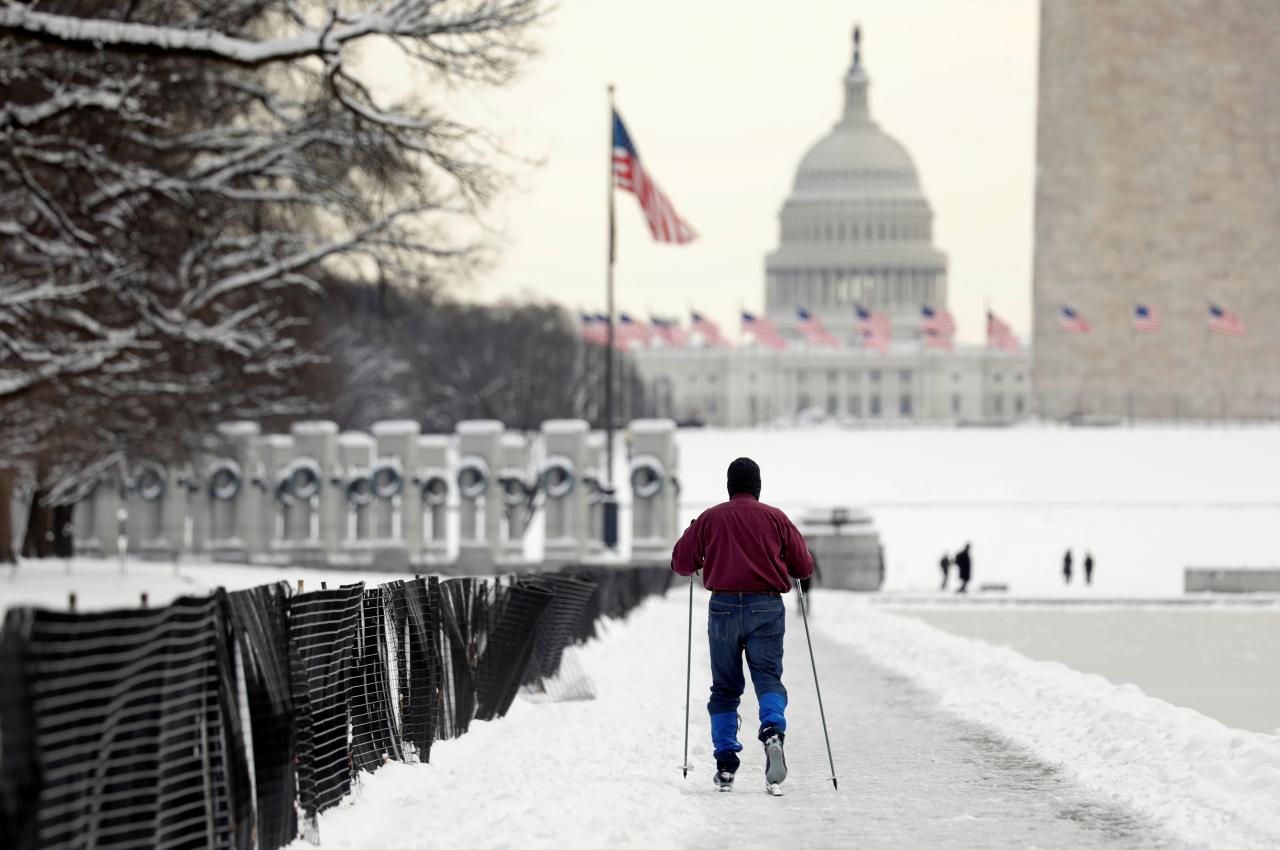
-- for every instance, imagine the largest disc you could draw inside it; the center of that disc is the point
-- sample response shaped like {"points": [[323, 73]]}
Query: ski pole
{"points": [[688, 678], [804, 613]]}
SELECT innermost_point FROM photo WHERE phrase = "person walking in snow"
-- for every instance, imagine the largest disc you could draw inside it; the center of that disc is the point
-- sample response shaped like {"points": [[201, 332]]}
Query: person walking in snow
{"points": [[1066, 567], [748, 553], [945, 565], [964, 568], [1088, 568]]}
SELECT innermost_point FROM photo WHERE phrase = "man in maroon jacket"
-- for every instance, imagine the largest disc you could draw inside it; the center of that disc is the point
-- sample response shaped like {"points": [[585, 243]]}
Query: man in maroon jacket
{"points": [[748, 553]]}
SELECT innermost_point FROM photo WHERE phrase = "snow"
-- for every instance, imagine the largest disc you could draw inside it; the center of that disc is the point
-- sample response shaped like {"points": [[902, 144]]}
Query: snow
{"points": [[355, 440], [102, 583], [1205, 782], [607, 772], [564, 426], [239, 429], [938, 741], [314, 428], [651, 426], [479, 427], [1146, 501], [395, 427]]}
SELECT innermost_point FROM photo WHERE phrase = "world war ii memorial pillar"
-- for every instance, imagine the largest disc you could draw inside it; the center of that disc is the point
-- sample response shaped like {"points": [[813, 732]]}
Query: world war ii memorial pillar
{"points": [[561, 478], [233, 504], [517, 489], [317, 509], [156, 519], [97, 520], [397, 506], [355, 460], [655, 489], [480, 510], [434, 483]]}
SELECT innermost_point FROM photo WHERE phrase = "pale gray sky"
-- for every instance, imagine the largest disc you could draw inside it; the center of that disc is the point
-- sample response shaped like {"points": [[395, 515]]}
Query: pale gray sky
{"points": [[722, 98]]}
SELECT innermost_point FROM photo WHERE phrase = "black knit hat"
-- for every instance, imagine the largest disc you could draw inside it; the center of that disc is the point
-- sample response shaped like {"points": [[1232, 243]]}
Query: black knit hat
{"points": [[744, 477]]}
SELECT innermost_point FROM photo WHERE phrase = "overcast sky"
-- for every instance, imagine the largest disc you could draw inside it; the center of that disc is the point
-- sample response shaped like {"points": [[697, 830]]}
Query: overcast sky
{"points": [[723, 98]]}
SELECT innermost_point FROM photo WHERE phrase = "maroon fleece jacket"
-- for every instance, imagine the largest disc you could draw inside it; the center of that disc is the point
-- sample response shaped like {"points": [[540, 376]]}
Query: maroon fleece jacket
{"points": [[743, 545]]}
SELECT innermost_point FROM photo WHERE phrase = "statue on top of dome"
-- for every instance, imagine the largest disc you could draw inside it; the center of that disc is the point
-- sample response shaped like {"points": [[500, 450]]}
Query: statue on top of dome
{"points": [[857, 45]]}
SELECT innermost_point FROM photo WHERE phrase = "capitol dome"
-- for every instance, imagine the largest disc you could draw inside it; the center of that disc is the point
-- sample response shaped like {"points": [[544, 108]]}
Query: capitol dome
{"points": [[857, 228]]}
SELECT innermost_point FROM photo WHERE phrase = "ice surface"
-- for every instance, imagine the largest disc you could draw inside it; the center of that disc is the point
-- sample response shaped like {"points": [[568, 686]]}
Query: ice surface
{"points": [[1218, 658]]}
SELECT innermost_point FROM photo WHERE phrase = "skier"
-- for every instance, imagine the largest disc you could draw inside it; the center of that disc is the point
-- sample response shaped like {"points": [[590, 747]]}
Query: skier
{"points": [[1088, 568], [964, 568], [1066, 567], [748, 553], [945, 565]]}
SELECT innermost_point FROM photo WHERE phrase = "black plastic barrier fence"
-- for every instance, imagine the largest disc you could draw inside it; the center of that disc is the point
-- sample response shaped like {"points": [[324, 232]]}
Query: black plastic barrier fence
{"points": [[215, 721]]}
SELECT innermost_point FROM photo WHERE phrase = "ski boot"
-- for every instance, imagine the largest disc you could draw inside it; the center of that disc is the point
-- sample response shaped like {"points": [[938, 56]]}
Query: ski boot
{"points": [[726, 766], [775, 762]]}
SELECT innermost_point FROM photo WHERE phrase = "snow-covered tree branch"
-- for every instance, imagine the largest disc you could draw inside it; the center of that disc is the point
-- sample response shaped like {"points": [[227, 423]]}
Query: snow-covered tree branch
{"points": [[176, 178]]}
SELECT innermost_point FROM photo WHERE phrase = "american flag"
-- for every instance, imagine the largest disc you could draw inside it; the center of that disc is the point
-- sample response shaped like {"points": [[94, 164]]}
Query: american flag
{"points": [[709, 330], [999, 334], [937, 321], [1222, 322], [938, 327], [664, 223], [1145, 319], [1069, 320], [633, 330], [874, 328], [669, 332], [764, 331], [810, 327], [595, 329]]}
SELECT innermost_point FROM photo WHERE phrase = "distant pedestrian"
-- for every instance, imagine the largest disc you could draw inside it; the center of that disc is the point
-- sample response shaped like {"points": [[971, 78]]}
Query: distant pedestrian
{"points": [[816, 577], [1066, 567], [964, 568], [945, 566], [1088, 568]]}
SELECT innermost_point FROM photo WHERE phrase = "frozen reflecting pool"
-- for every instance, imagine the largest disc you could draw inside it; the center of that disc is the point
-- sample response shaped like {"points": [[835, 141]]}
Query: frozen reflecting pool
{"points": [[1217, 659]]}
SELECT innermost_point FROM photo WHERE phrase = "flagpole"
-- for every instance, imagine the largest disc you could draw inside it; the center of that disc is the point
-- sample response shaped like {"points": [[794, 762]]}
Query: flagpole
{"points": [[986, 351], [608, 350], [1133, 357]]}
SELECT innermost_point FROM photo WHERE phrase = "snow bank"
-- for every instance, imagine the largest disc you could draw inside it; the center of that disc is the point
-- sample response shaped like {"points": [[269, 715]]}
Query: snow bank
{"points": [[1204, 782]]}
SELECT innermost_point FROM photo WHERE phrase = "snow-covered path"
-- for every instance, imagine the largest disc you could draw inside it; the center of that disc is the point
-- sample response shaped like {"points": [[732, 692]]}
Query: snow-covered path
{"points": [[605, 772]]}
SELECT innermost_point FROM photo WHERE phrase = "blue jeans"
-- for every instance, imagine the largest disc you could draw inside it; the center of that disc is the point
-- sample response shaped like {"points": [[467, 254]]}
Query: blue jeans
{"points": [[754, 624]]}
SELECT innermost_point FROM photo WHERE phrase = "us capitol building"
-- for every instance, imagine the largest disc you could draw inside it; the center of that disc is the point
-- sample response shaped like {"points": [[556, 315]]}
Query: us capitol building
{"points": [[856, 230]]}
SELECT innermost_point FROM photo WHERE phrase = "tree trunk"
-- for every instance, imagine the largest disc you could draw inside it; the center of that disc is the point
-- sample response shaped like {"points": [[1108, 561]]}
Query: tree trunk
{"points": [[38, 540], [7, 479]]}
